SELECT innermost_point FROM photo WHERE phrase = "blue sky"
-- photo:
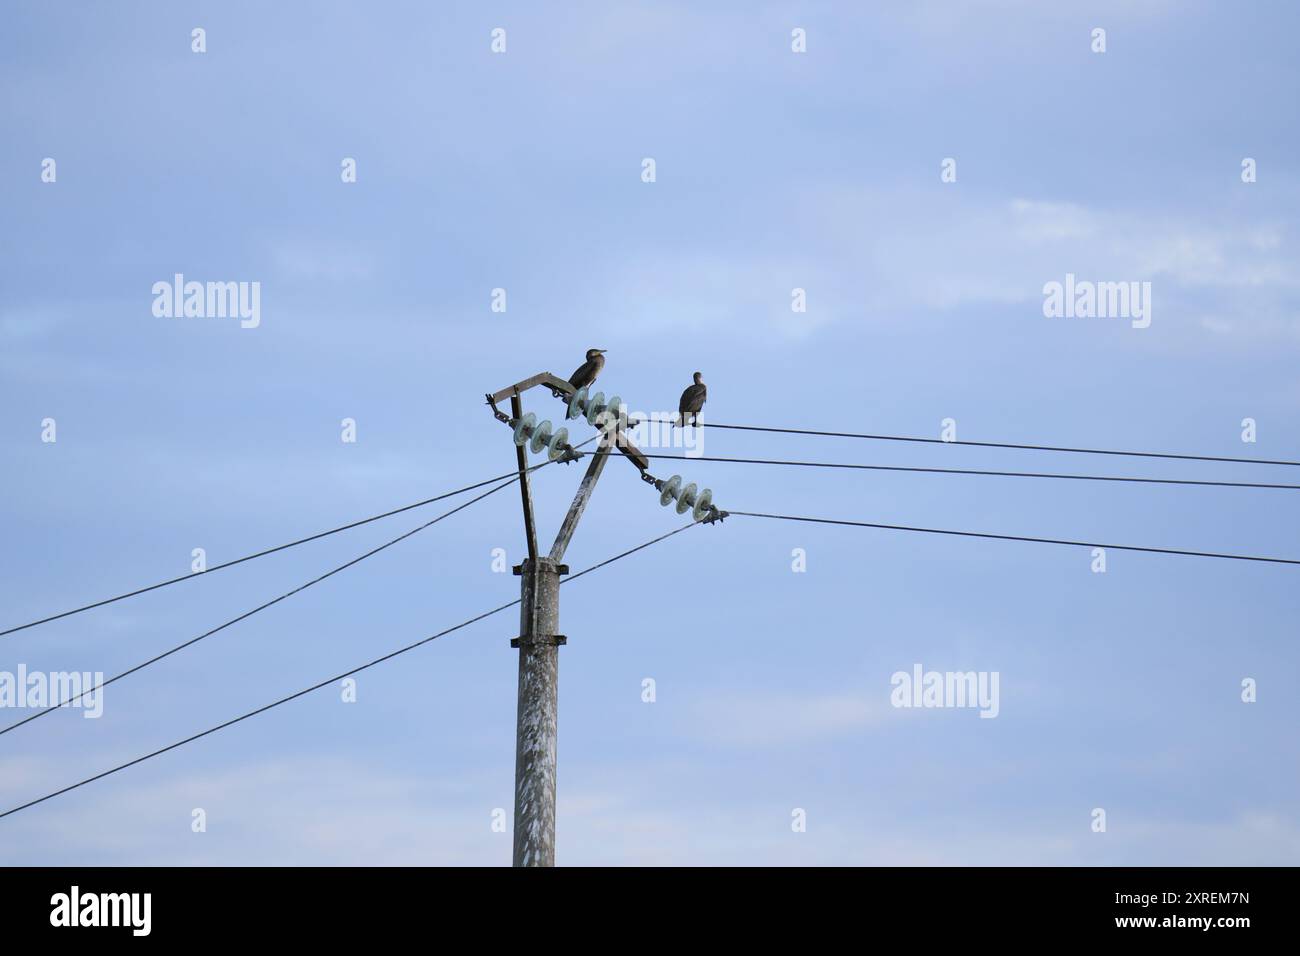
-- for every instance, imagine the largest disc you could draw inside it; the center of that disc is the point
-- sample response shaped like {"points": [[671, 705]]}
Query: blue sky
{"points": [[775, 170]]}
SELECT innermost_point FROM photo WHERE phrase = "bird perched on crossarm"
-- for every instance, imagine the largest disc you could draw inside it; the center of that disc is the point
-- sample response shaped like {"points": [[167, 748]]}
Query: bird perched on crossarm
{"points": [[692, 401], [588, 370]]}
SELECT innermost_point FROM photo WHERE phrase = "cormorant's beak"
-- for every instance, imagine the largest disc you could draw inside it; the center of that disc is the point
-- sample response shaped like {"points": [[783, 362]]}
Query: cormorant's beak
{"points": [[601, 351]]}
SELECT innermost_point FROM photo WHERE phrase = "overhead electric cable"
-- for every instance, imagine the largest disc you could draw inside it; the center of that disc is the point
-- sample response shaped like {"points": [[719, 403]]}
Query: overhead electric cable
{"points": [[261, 607], [264, 553], [976, 471], [1017, 537], [995, 444], [307, 690]]}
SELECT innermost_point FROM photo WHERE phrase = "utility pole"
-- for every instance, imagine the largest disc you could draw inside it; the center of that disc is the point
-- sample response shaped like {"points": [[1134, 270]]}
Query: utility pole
{"points": [[537, 713], [538, 702], [539, 640], [539, 674]]}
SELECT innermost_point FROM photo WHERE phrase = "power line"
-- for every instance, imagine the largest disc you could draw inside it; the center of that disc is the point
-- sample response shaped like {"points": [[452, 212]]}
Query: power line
{"points": [[314, 687], [639, 547], [260, 607], [1016, 537], [995, 444], [254, 713], [261, 554], [975, 471]]}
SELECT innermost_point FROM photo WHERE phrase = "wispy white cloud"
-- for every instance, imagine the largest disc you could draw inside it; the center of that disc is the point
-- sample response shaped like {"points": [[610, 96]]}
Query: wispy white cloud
{"points": [[315, 812], [765, 718], [878, 257]]}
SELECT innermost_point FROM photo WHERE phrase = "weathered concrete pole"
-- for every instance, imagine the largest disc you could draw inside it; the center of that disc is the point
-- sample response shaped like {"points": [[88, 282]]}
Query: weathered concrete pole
{"points": [[539, 674]]}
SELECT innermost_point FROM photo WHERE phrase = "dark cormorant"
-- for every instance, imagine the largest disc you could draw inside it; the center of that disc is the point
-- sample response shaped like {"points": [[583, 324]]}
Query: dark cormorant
{"points": [[588, 370], [692, 401]]}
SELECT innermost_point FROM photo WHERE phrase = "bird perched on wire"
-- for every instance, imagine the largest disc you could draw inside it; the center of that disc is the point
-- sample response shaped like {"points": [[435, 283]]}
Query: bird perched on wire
{"points": [[692, 401], [588, 370]]}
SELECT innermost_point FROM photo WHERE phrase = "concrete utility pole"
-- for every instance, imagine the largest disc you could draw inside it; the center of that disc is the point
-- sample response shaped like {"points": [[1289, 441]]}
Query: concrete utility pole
{"points": [[537, 715], [539, 676], [538, 701]]}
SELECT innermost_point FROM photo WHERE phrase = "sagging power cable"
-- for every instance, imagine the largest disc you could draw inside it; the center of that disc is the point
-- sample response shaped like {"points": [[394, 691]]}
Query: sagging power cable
{"points": [[1016, 537], [996, 444], [263, 553], [976, 471], [314, 687], [261, 607]]}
